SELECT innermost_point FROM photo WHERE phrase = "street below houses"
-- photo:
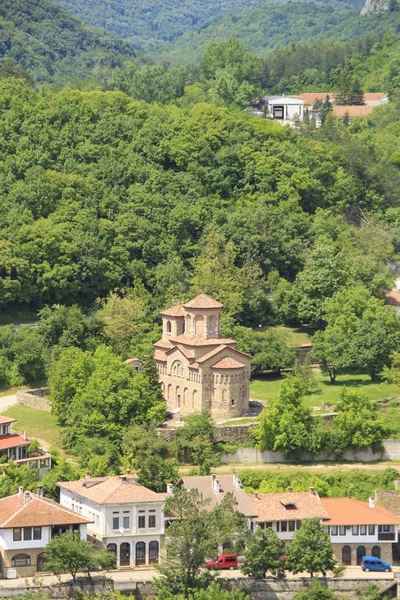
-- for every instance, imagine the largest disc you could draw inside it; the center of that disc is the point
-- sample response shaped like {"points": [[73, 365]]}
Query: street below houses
{"points": [[127, 576]]}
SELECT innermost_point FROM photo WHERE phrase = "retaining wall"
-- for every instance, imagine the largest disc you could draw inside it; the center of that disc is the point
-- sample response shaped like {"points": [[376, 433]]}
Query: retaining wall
{"points": [[391, 451], [34, 399]]}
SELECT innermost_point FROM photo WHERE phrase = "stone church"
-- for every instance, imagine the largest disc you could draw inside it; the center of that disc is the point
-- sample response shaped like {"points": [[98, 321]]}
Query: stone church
{"points": [[199, 369]]}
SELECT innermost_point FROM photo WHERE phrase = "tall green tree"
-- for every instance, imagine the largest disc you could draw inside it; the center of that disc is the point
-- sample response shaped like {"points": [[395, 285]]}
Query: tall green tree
{"points": [[263, 552], [310, 549]]}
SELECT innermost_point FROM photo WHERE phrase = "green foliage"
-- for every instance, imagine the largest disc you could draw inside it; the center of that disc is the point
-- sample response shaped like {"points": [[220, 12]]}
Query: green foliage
{"points": [[310, 549], [194, 535], [193, 442], [68, 553], [263, 551], [52, 44], [213, 592], [354, 484], [97, 397], [287, 425], [316, 591]]}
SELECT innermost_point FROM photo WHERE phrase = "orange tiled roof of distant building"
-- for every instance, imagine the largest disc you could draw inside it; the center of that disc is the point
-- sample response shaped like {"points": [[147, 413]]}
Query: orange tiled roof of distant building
{"points": [[347, 511], [112, 490], [310, 97], [198, 340], [12, 440], [275, 507], [352, 111], [37, 512], [374, 96], [203, 301], [228, 363], [5, 420], [174, 311]]}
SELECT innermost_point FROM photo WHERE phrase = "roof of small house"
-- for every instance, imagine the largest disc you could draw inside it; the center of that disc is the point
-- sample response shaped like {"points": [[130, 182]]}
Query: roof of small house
{"points": [[228, 363], [174, 311], [12, 440], [204, 484], [295, 100], [352, 111], [5, 420], [310, 97], [36, 512], [375, 96], [393, 298], [203, 301], [130, 361], [347, 511], [288, 506], [119, 489]]}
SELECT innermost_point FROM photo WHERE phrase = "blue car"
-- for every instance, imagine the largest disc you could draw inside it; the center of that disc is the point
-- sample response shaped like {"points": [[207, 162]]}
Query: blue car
{"points": [[371, 563]]}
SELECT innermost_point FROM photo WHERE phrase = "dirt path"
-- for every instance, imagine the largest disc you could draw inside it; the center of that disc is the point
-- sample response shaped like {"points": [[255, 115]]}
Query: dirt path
{"points": [[7, 402]]}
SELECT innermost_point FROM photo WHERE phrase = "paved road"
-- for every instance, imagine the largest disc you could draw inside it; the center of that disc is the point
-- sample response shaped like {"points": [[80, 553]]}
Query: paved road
{"points": [[132, 575], [7, 401]]}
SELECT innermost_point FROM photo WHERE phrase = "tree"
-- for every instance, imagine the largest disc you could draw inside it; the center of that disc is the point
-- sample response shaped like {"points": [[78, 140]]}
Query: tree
{"points": [[263, 553], [69, 553], [123, 319], [192, 538], [213, 592], [356, 425], [316, 591], [287, 425], [194, 442], [310, 550]]}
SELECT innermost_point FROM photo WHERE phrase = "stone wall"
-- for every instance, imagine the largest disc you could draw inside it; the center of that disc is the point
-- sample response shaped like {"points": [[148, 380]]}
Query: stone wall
{"points": [[34, 399], [390, 500], [237, 434], [391, 451]]}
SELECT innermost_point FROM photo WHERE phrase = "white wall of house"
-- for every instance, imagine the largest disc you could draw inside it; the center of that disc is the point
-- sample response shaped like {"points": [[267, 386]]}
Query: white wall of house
{"points": [[7, 540], [347, 535], [91, 510]]}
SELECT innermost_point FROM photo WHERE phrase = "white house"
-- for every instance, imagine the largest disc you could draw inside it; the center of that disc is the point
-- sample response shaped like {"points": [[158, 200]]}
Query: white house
{"points": [[281, 108], [27, 523], [125, 516]]}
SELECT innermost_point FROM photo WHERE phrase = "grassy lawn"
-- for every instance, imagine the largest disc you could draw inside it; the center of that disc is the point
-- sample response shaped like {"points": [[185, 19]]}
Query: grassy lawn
{"points": [[267, 388], [296, 336], [243, 421], [38, 424]]}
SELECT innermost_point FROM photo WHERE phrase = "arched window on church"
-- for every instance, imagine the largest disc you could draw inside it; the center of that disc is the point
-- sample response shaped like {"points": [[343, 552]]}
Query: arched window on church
{"points": [[212, 326], [169, 328], [188, 327]]}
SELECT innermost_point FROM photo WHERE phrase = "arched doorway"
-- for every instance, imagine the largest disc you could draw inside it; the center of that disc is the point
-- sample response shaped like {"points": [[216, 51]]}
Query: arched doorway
{"points": [[346, 555], [153, 552], [40, 562], [125, 555], [178, 397], [360, 553], [113, 548], [140, 554], [376, 551]]}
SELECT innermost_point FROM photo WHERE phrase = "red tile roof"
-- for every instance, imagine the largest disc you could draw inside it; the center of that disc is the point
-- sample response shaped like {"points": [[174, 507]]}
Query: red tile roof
{"points": [[271, 507], [182, 349], [310, 97], [347, 511], [203, 301], [352, 111], [160, 356], [374, 96], [5, 420], [111, 490], [199, 340], [12, 440], [14, 512], [228, 363], [174, 311]]}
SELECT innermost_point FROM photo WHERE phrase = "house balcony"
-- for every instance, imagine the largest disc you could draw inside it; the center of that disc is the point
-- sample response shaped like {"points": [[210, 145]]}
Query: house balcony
{"points": [[386, 537]]}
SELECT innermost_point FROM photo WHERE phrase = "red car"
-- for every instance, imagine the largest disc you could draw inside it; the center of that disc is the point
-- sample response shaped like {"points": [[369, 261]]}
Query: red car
{"points": [[224, 561]]}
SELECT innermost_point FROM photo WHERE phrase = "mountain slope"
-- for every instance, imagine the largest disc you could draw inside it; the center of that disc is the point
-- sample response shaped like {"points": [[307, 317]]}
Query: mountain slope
{"points": [[272, 26], [145, 23], [53, 44]]}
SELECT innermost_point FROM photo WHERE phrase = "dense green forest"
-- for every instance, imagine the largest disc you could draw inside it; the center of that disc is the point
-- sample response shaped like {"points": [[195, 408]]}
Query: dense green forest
{"points": [[145, 23], [271, 26], [54, 45]]}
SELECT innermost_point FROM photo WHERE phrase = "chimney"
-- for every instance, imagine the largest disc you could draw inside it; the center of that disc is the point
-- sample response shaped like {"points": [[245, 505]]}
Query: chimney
{"points": [[123, 477], [290, 489], [40, 491], [27, 497], [170, 488], [372, 502], [237, 483], [21, 490], [25, 435], [312, 491], [256, 496], [87, 475], [216, 486], [128, 471]]}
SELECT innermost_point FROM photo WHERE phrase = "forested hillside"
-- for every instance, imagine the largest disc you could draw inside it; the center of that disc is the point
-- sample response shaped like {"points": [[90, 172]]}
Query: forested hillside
{"points": [[272, 26], [52, 44], [146, 23]]}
